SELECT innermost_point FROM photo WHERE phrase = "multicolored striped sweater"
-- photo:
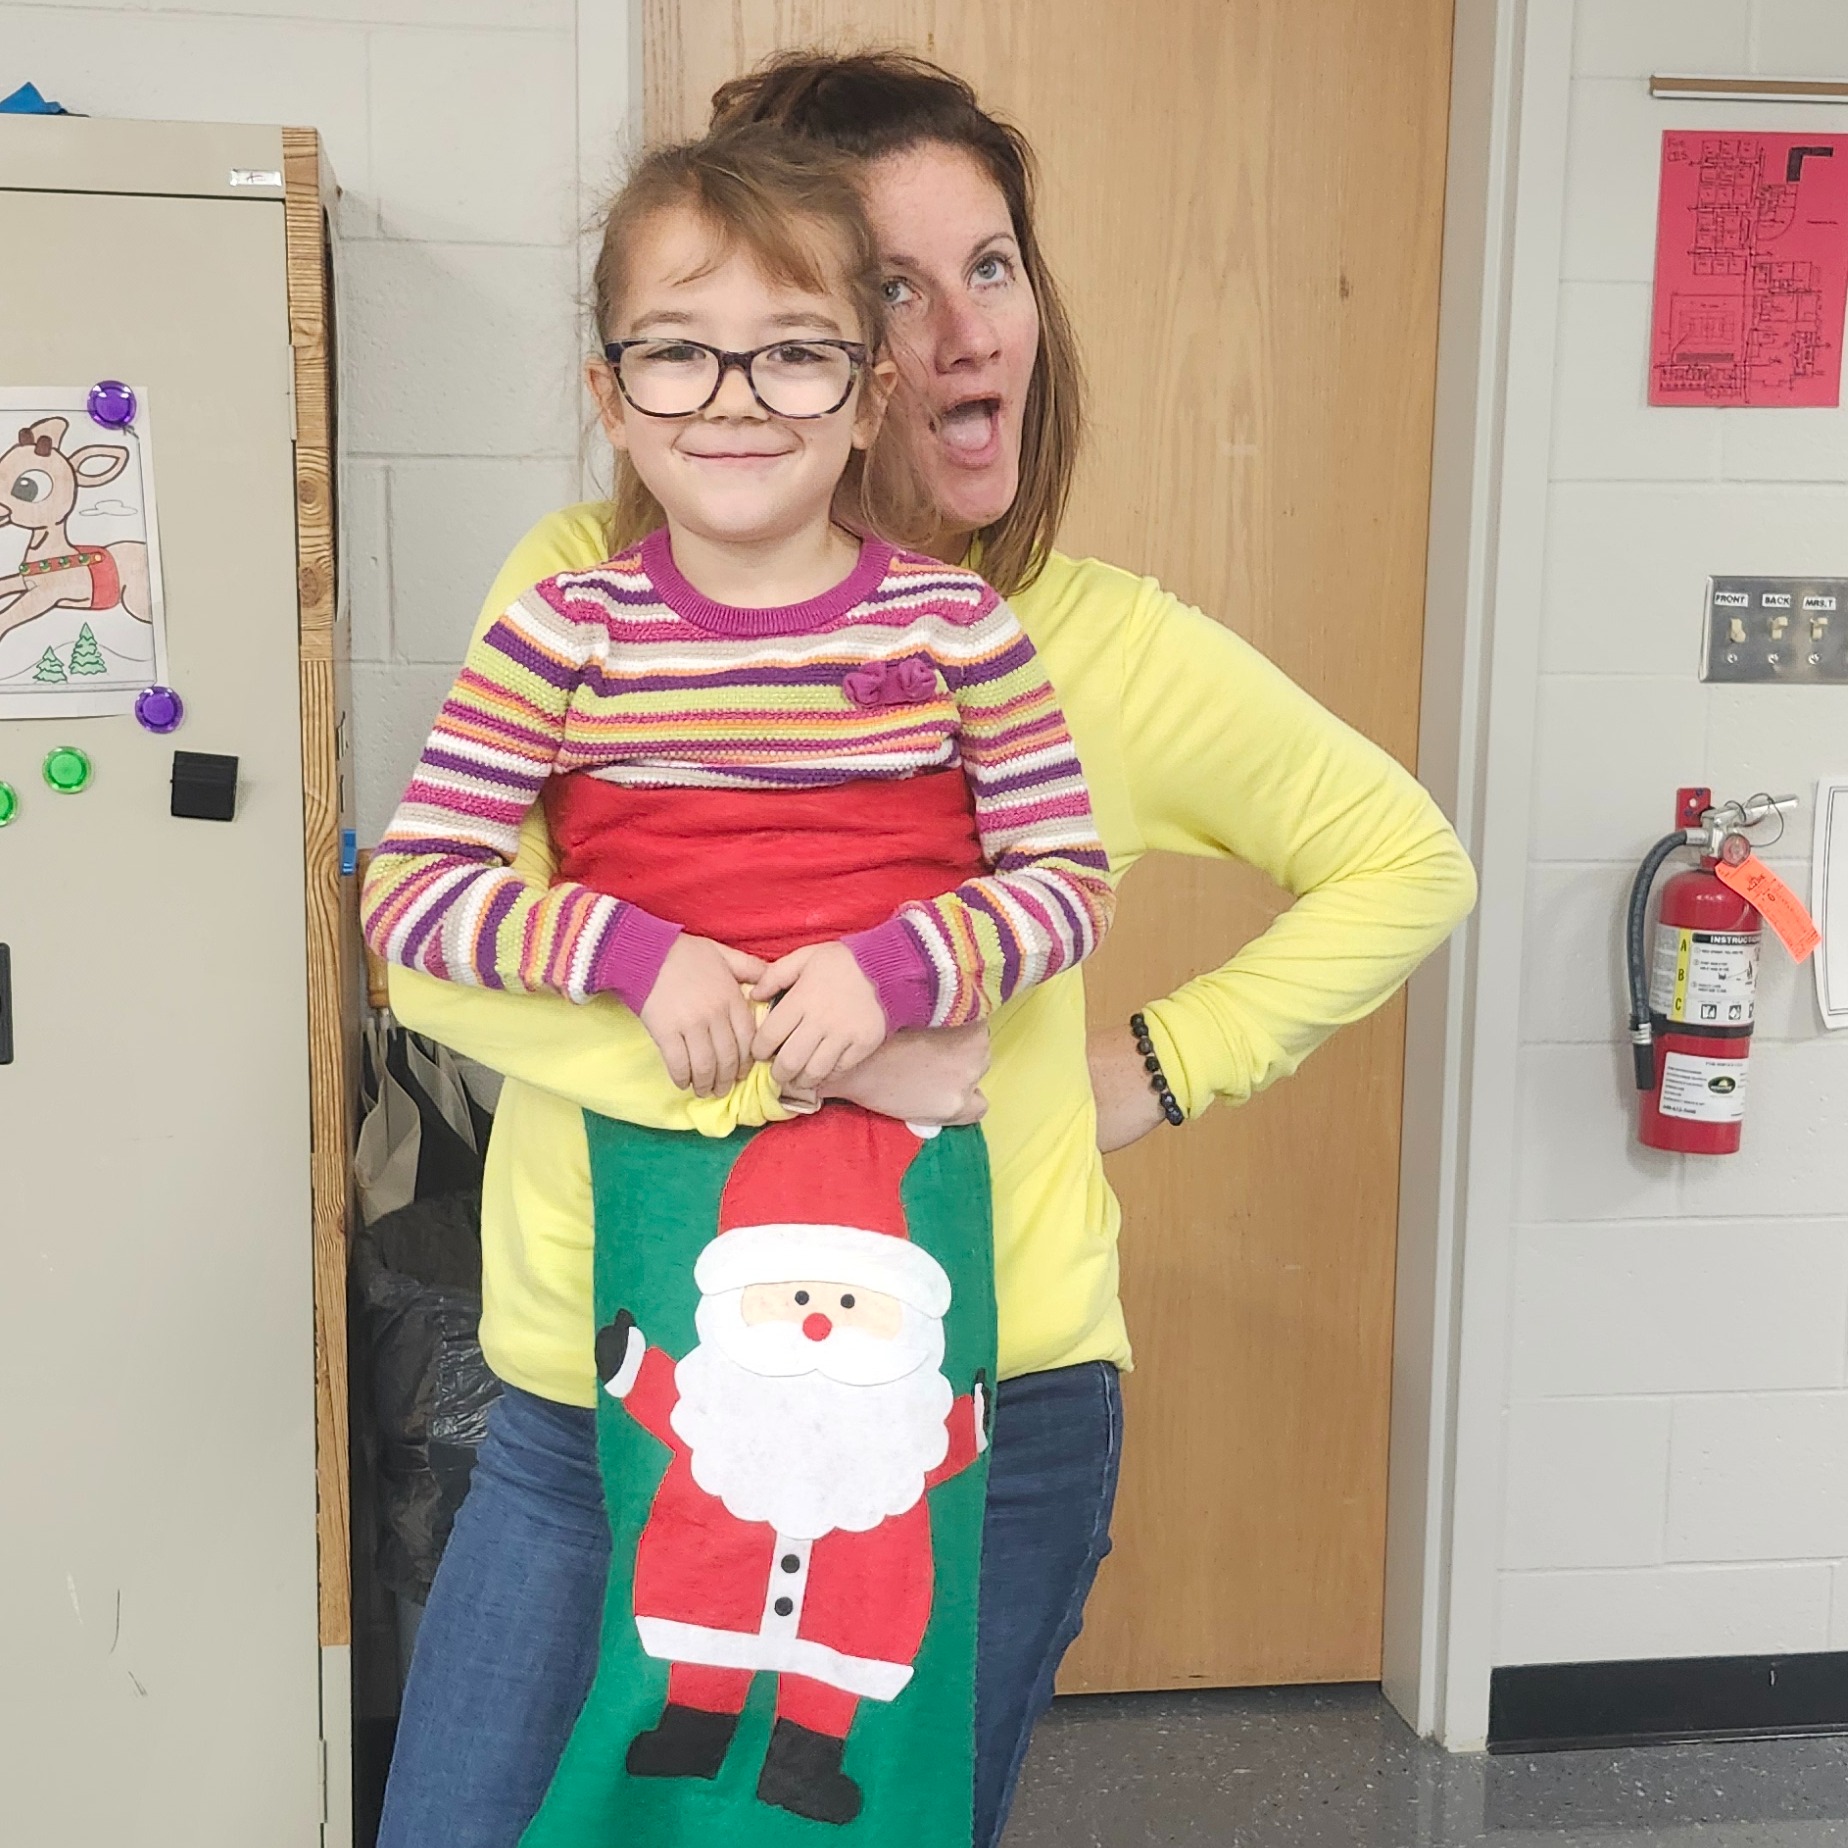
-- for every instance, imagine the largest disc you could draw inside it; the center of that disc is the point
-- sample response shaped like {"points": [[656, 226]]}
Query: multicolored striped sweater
{"points": [[628, 673]]}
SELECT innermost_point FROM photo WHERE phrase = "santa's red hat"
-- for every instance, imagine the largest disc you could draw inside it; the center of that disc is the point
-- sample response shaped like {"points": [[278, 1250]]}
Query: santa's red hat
{"points": [[817, 1199]]}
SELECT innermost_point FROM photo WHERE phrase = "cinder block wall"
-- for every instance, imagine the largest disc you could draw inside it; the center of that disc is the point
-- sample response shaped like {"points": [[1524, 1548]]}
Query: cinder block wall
{"points": [[1677, 1478], [466, 161]]}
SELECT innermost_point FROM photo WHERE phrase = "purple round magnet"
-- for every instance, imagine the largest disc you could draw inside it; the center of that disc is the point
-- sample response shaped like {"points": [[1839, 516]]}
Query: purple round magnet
{"points": [[112, 404], [159, 709]]}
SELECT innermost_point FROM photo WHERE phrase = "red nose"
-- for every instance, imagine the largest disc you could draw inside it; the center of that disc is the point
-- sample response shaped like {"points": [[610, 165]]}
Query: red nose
{"points": [[818, 1328]]}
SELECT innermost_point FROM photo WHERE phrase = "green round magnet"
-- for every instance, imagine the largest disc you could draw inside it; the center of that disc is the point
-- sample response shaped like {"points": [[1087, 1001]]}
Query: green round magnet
{"points": [[67, 770], [9, 804]]}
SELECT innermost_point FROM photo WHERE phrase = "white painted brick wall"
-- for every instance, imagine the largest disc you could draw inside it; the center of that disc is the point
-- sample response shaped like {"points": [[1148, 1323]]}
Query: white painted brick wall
{"points": [[1759, 1476], [1677, 1479], [1663, 1611], [1679, 1306], [1587, 1482], [458, 134]]}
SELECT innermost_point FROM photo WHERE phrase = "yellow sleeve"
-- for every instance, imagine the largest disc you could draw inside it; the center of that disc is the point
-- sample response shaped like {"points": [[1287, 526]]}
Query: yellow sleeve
{"points": [[598, 1055], [1226, 756]]}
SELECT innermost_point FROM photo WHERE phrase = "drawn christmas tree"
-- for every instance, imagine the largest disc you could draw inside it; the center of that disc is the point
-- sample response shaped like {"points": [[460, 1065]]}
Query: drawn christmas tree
{"points": [[50, 669], [86, 657]]}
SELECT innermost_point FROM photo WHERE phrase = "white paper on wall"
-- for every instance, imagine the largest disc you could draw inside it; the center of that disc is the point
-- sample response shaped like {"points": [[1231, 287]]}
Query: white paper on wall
{"points": [[82, 629], [1829, 899]]}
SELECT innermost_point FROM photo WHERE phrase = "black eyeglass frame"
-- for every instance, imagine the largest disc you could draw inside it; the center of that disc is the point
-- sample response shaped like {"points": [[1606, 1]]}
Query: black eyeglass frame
{"points": [[855, 350]]}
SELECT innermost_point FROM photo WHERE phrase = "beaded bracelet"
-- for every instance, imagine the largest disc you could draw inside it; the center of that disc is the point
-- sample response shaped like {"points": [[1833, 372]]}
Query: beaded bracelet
{"points": [[1151, 1063]]}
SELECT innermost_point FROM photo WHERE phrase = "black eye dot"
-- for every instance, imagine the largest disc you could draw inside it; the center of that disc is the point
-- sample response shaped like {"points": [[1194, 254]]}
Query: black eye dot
{"points": [[26, 490], [846, 1302], [802, 1296]]}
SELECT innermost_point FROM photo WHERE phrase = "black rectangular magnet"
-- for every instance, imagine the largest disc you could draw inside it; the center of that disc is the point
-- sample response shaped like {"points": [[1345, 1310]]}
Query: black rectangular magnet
{"points": [[204, 786], [6, 1005]]}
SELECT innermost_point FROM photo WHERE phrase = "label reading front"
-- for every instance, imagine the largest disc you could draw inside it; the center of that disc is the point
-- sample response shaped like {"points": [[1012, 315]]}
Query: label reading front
{"points": [[1702, 1090], [1706, 978]]}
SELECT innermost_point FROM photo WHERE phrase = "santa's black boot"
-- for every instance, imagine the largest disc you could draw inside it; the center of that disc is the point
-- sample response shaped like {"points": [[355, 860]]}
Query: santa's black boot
{"points": [[689, 1742], [802, 1774]]}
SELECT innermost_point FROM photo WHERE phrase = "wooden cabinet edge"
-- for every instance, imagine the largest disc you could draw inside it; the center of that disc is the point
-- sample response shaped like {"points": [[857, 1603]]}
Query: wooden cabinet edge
{"points": [[332, 1001]]}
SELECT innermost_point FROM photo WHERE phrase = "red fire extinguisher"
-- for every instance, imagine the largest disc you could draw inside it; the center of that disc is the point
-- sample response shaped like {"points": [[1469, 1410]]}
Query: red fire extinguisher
{"points": [[1693, 990]]}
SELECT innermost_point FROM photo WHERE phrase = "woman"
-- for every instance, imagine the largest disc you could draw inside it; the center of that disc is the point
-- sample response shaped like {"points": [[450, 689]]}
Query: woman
{"points": [[1191, 742]]}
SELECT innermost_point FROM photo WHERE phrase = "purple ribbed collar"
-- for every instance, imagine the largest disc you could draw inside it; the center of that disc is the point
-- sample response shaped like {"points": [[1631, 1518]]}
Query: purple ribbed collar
{"points": [[783, 619]]}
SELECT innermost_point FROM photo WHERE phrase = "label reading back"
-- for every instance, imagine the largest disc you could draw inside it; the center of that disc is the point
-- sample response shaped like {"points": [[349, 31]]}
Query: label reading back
{"points": [[1705, 977], [1702, 1090]]}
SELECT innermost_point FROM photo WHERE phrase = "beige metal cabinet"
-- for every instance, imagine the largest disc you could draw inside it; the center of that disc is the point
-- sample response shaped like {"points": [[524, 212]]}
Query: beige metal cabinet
{"points": [[172, 1133]]}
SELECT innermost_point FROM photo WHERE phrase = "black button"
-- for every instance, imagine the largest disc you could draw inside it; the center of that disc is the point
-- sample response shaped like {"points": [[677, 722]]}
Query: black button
{"points": [[791, 1563], [204, 786], [783, 1607]]}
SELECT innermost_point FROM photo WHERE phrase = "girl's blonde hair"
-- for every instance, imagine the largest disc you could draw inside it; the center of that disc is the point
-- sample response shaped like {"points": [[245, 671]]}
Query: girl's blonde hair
{"points": [[792, 206]]}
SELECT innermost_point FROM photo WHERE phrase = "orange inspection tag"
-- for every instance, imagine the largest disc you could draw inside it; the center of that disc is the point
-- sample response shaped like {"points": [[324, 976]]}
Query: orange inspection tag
{"points": [[1783, 910]]}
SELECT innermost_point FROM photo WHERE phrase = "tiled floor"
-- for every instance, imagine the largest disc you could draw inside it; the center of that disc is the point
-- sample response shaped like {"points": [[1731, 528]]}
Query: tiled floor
{"points": [[1330, 1767]]}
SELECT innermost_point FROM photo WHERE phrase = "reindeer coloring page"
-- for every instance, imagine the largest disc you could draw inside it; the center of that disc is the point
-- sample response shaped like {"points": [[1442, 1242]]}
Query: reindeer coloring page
{"points": [[82, 629]]}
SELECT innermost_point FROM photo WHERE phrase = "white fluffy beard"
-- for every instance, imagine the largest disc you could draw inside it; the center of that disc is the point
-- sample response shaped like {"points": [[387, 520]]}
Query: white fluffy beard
{"points": [[805, 1453]]}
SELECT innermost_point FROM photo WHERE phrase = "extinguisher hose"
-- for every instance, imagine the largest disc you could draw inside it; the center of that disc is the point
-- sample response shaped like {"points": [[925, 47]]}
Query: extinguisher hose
{"points": [[1642, 1027]]}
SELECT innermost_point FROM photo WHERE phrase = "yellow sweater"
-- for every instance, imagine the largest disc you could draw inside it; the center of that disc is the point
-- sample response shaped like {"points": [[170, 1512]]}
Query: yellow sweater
{"points": [[1192, 743]]}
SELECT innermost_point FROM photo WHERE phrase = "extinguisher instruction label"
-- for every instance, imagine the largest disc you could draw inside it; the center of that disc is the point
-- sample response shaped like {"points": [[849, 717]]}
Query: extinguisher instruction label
{"points": [[1706, 978], [1702, 1090]]}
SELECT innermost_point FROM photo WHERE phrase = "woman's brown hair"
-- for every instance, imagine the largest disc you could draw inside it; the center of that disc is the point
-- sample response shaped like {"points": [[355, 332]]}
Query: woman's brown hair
{"points": [[874, 103], [790, 203]]}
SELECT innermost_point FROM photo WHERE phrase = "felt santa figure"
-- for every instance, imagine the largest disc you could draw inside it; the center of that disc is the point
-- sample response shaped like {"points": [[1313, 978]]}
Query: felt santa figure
{"points": [[791, 1533]]}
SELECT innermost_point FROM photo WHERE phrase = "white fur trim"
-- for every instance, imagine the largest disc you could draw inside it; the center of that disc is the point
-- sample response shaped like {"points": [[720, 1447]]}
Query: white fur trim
{"points": [[622, 1382], [871, 1679], [824, 1254]]}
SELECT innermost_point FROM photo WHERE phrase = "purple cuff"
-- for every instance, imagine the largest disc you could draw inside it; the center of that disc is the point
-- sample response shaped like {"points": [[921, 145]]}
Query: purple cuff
{"points": [[631, 957], [894, 962]]}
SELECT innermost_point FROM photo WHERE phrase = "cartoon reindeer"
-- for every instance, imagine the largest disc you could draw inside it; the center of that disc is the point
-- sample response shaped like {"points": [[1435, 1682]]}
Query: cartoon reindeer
{"points": [[39, 485]]}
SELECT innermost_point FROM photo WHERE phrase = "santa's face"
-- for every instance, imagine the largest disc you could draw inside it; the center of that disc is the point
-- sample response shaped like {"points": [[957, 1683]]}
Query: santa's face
{"points": [[813, 1431], [857, 1336], [818, 1309]]}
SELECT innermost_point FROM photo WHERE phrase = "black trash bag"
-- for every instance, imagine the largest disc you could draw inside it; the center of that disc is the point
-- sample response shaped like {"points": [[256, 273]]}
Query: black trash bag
{"points": [[416, 1283]]}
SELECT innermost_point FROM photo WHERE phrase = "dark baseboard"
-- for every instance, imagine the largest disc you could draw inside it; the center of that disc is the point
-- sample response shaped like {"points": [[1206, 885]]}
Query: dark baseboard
{"points": [[1559, 1706]]}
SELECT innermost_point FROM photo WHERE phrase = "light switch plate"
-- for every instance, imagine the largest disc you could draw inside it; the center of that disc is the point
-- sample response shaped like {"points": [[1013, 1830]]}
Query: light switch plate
{"points": [[1776, 630]]}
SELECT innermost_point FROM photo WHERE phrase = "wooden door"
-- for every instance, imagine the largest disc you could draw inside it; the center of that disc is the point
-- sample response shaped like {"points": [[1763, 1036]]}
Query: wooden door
{"points": [[1244, 199]]}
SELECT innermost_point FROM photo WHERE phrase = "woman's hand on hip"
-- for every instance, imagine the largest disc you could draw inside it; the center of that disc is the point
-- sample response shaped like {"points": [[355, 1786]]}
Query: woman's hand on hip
{"points": [[922, 1075], [1126, 1108]]}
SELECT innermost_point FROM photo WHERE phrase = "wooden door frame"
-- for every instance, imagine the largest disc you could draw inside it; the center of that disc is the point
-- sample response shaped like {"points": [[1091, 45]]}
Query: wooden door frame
{"points": [[1510, 86]]}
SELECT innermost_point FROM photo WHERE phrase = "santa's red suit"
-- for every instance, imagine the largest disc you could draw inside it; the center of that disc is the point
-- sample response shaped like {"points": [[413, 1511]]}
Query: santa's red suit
{"points": [[848, 1610]]}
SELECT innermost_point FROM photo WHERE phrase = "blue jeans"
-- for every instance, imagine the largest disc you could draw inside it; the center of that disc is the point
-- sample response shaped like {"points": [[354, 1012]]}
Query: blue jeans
{"points": [[509, 1642]]}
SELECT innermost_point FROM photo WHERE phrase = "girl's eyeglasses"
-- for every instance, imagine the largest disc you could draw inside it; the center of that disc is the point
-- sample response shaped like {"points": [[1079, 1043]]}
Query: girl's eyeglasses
{"points": [[791, 378]]}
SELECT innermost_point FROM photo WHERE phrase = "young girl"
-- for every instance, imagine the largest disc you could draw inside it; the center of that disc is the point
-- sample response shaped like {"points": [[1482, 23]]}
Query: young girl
{"points": [[752, 642], [780, 758]]}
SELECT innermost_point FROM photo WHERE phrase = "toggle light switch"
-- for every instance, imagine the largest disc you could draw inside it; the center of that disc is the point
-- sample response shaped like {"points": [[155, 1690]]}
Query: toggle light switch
{"points": [[1750, 631]]}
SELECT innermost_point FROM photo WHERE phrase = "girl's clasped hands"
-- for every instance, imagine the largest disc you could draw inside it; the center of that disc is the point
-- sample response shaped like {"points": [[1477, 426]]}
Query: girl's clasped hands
{"points": [[706, 1013]]}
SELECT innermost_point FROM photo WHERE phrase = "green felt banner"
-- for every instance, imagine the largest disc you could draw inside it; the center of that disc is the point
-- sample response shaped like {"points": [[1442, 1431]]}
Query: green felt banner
{"points": [[852, 1730]]}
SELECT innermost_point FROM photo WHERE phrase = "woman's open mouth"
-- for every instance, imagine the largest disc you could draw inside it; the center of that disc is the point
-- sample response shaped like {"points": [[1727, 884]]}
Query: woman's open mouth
{"points": [[971, 431]]}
